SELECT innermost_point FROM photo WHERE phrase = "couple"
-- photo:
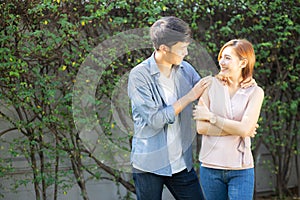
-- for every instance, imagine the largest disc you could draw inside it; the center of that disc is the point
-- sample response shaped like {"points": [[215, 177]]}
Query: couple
{"points": [[162, 89]]}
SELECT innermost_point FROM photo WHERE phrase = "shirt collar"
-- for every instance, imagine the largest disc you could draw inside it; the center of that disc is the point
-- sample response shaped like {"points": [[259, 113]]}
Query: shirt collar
{"points": [[153, 66]]}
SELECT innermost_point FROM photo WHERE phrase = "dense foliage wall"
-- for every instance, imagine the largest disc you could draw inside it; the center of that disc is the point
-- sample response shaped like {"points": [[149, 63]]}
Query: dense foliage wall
{"points": [[43, 44]]}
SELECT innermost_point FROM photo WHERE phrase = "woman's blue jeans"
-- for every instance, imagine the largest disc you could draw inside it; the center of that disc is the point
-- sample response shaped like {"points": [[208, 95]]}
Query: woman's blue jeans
{"points": [[218, 184], [227, 184], [183, 185]]}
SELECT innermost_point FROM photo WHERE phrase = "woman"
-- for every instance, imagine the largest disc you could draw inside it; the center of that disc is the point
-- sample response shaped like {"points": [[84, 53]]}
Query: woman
{"points": [[226, 117]]}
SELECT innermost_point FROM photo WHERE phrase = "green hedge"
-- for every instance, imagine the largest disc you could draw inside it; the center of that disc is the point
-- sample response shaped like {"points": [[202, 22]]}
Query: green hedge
{"points": [[43, 44]]}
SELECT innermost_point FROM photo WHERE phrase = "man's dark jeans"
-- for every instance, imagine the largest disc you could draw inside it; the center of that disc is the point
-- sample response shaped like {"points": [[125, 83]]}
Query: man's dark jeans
{"points": [[183, 185]]}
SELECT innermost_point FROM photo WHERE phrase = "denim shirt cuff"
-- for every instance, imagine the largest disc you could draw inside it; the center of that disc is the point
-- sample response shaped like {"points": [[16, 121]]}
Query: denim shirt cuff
{"points": [[170, 114]]}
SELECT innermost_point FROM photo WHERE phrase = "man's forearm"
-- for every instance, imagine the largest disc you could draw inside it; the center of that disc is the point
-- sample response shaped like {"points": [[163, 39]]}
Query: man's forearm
{"points": [[192, 95], [181, 103]]}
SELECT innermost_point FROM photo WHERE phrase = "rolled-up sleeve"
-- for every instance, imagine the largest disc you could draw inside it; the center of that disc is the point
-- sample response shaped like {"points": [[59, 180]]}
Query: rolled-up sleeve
{"points": [[147, 107]]}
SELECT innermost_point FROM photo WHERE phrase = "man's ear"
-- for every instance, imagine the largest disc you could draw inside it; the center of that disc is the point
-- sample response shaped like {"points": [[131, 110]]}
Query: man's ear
{"points": [[163, 48], [243, 63]]}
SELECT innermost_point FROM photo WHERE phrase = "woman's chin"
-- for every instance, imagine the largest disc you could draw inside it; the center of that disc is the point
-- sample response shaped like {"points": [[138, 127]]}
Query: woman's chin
{"points": [[224, 74]]}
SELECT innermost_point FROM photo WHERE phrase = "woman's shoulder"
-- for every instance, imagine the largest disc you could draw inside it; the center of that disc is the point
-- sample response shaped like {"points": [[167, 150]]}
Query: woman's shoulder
{"points": [[217, 81], [257, 92], [216, 86], [221, 80]]}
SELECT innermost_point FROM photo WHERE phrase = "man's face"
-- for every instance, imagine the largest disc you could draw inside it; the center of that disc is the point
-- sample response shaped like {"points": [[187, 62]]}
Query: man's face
{"points": [[177, 52]]}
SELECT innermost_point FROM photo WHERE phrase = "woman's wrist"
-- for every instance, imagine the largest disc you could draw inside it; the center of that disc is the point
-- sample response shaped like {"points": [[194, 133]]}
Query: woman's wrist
{"points": [[220, 121], [213, 119]]}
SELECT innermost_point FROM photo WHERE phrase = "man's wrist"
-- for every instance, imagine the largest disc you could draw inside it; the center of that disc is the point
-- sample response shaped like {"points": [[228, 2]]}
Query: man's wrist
{"points": [[190, 96]]}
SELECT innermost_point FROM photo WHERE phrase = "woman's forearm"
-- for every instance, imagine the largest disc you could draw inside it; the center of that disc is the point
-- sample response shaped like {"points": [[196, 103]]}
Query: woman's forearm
{"points": [[249, 120], [244, 127], [205, 128]]}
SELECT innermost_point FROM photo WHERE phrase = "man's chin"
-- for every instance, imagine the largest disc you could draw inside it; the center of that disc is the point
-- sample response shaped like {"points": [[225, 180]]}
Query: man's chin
{"points": [[178, 63]]}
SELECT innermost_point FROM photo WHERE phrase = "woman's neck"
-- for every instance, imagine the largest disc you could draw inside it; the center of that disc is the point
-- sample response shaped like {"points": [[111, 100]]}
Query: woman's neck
{"points": [[233, 85], [234, 82]]}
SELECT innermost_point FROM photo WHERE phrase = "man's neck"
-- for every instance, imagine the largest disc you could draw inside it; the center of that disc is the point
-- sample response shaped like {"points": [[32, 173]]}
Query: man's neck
{"points": [[165, 70], [164, 67]]}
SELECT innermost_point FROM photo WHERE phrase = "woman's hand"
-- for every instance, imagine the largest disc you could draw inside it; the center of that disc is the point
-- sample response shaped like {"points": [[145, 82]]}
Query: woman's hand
{"points": [[253, 132], [201, 112], [248, 82]]}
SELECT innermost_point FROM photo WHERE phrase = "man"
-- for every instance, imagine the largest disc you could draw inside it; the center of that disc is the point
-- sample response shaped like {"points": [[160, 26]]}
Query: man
{"points": [[161, 90]]}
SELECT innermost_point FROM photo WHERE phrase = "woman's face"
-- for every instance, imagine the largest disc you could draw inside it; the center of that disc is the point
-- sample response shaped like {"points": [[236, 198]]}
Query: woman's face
{"points": [[230, 63]]}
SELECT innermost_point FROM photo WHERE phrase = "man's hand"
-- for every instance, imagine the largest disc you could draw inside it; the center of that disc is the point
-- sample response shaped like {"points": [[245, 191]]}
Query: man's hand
{"points": [[192, 95], [199, 88]]}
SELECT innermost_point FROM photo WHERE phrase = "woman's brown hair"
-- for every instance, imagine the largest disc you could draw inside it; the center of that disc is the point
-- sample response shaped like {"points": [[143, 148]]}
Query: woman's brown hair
{"points": [[244, 50]]}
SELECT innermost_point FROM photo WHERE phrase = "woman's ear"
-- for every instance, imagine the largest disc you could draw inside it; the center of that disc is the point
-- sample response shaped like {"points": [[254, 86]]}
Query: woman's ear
{"points": [[243, 63]]}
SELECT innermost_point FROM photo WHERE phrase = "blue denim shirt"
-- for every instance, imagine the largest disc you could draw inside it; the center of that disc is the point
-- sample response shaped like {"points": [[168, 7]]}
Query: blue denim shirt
{"points": [[151, 116]]}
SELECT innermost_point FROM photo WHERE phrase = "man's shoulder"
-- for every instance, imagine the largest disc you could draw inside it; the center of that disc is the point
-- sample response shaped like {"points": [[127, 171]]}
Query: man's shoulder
{"points": [[142, 66], [188, 68], [186, 64]]}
